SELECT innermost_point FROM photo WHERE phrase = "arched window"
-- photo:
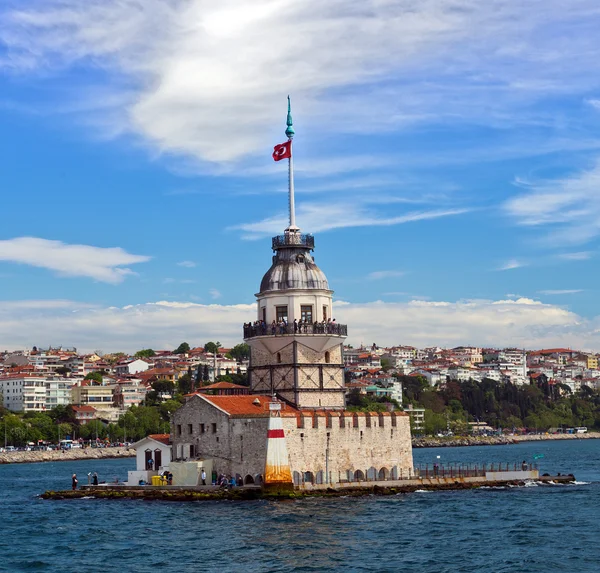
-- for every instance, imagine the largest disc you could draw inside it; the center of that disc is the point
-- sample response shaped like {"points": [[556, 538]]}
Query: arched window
{"points": [[279, 358], [327, 357]]}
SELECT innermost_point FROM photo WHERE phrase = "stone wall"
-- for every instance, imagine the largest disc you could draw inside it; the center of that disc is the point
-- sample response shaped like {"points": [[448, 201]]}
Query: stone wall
{"points": [[345, 443], [237, 445]]}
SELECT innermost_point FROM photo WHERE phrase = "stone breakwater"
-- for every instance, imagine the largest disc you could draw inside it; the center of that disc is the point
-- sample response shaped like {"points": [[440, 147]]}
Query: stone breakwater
{"points": [[182, 493], [65, 455], [457, 441]]}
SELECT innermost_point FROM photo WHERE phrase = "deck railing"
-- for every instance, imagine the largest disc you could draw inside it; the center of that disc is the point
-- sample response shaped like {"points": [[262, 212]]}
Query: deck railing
{"points": [[319, 328]]}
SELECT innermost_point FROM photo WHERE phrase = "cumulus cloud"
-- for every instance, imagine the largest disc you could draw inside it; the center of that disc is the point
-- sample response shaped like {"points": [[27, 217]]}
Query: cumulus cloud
{"points": [[103, 264], [203, 78], [523, 322]]}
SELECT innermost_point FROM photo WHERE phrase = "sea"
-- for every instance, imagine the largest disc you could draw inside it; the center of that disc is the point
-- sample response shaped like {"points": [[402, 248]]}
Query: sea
{"points": [[531, 529]]}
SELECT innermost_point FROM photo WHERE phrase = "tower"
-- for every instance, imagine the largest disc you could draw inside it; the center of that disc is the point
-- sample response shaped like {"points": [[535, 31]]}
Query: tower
{"points": [[296, 347]]}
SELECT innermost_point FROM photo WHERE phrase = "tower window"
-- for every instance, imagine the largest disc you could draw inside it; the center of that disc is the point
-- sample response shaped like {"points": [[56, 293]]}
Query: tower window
{"points": [[282, 313], [306, 313], [327, 357], [264, 314], [325, 313], [279, 358]]}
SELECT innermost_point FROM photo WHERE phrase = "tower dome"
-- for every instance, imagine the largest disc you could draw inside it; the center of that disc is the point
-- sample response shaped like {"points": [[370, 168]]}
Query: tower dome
{"points": [[293, 266]]}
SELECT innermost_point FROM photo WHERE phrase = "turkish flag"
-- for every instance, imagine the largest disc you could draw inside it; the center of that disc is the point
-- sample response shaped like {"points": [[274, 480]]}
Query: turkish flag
{"points": [[282, 151]]}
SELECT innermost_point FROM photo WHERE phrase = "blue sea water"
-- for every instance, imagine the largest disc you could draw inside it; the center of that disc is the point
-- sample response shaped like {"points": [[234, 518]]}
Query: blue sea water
{"points": [[545, 529]]}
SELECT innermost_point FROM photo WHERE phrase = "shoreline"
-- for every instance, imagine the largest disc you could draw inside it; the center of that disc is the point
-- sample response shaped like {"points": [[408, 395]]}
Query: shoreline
{"points": [[459, 441], [24, 457]]}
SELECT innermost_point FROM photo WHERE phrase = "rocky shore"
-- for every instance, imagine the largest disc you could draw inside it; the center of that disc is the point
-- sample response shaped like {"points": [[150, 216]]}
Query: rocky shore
{"points": [[65, 455], [456, 441]]}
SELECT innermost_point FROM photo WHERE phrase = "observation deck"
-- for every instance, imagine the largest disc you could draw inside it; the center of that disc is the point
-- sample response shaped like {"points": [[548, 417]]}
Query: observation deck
{"points": [[316, 329], [293, 240]]}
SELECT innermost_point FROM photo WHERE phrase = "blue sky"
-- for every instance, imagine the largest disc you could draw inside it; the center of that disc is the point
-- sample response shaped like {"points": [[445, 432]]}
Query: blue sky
{"points": [[447, 160]]}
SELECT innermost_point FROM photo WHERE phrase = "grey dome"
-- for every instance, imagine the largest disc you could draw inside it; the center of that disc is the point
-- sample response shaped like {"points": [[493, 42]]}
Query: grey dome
{"points": [[293, 268]]}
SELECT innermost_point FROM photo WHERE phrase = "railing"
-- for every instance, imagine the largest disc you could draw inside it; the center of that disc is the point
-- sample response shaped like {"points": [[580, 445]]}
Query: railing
{"points": [[318, 328], [293, 240], [433, 471]]}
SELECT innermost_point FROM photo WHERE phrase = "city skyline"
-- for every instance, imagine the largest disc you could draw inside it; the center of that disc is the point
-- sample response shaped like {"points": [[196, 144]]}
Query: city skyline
{"points": [[446, 162]]}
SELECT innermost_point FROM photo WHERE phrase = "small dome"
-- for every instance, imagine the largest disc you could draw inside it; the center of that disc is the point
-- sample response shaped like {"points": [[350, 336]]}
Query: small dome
{"points": [[293, 269]]}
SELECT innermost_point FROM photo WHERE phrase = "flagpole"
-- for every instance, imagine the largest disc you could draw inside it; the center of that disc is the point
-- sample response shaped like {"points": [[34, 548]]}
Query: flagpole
{"points": [[290, 135], [291, 187]]}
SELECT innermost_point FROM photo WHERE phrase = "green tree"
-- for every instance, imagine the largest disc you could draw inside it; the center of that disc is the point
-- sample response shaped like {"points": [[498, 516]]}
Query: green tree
{"points": [[145, 353], [183, 348], [205, 373], [163, 387], [240, 352], [185, 384], [212, 347], [95, 376]]}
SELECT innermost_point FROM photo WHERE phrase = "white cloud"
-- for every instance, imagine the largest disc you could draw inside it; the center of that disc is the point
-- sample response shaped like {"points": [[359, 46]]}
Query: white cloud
{"points": [[522, 322], [103, 264], [338, 215], [187, 264], [214, 294], [377, 275], [568, 209], [204, 78], [579, 256], [511, 264], [564, 291]]}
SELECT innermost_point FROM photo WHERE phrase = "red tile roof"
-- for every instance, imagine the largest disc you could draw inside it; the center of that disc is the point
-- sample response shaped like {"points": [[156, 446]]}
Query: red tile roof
{"points": [[221, 386], [163, 438], [83, 408], [245, 406]]}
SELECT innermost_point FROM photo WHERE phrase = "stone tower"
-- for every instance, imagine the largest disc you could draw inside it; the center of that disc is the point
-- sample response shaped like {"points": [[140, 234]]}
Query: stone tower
{"points": [[296, 348]]}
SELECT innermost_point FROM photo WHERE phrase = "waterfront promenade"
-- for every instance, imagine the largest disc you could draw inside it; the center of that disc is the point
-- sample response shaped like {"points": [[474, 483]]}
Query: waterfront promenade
{"points": [[429, 442], [27, 457], [456, 441]]}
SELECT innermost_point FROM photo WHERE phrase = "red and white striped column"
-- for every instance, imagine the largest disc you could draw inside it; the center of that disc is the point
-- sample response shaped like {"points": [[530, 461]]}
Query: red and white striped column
{"points": [[277, 467]]}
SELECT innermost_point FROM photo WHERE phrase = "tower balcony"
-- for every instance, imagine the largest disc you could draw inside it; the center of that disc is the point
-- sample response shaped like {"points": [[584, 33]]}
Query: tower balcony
{"points": [[293, 240], [316, 329]]}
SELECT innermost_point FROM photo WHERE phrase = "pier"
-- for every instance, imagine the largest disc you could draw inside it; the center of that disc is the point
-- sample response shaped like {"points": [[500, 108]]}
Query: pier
{"points": [[444, 480]]}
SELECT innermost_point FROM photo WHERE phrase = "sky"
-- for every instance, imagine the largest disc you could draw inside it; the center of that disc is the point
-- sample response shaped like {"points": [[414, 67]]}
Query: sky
{"points": [[447, 160]]}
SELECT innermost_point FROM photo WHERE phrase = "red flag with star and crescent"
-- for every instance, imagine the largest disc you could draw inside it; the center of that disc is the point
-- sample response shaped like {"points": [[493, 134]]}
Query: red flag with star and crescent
{"points": [[282, 151]]}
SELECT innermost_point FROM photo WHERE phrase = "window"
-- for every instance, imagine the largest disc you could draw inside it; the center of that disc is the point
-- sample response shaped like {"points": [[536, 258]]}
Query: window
{"points": [[264, 314], [279, 358], [327, 357], [190, 429], [306, 313], [202, 428], [325, 313], [214, 428], [192, 450], [281, 313], [179, 429]]}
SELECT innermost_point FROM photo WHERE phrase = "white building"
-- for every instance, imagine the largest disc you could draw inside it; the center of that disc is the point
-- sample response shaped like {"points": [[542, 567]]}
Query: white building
{"points": [[58, 392], [130, 367], [23, 393]]}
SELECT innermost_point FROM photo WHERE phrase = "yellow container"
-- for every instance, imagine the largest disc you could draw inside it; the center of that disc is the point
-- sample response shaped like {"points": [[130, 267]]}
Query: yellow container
{"points": [[156, 480]]}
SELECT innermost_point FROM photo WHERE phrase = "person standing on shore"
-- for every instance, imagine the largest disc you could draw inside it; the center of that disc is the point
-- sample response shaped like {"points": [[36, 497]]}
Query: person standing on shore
{"points": [[203, 477], [74, 482]]}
